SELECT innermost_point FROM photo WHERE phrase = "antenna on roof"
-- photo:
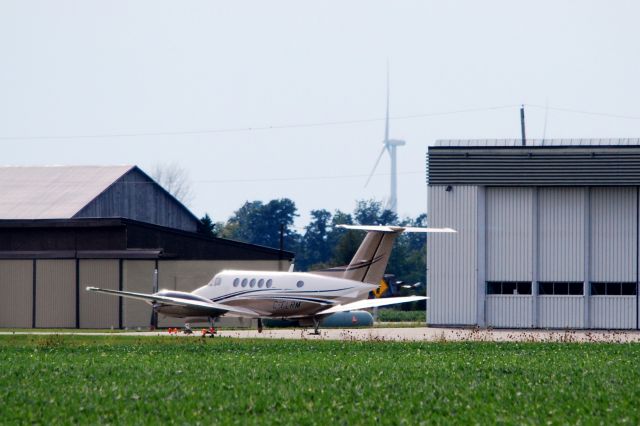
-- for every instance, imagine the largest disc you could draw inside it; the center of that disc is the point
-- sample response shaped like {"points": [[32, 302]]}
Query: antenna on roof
{"points": [[524, 137]]}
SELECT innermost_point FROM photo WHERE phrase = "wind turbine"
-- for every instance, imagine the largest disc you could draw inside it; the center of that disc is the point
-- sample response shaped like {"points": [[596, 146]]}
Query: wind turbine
{"points": [[390, 146]]}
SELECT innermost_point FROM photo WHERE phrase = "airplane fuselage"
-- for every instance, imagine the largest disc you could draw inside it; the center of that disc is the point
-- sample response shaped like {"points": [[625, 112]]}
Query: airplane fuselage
{"points": [[273, 294]]}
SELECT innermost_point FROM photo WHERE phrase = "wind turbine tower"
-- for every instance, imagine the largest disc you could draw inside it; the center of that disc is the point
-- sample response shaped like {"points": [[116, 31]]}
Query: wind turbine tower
{"points": [[390, 146]]}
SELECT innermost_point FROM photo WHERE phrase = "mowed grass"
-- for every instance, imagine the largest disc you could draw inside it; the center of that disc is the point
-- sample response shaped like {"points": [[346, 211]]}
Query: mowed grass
{"points": [[119, 379]]}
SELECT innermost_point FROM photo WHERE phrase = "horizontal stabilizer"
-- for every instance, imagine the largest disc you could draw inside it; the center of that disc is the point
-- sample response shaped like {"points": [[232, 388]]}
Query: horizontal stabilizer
{"points": [[371, 303], [215, 308], [383, 228]]}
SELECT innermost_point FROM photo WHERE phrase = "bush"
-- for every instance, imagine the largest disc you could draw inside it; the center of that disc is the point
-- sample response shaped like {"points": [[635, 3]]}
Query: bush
{"points": [[393, 315]]}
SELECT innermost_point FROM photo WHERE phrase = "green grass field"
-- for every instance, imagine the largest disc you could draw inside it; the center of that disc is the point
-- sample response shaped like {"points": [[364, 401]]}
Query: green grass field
{"points": [[117, 379]]}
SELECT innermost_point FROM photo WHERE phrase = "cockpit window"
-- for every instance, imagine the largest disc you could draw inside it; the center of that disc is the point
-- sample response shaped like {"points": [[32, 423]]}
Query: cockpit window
{"points": [[218, 281], [269, 283]]}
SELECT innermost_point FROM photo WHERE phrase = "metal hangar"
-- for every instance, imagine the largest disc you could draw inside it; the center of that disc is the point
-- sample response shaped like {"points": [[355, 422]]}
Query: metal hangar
{"points": [[65, 228], [547, 233]]}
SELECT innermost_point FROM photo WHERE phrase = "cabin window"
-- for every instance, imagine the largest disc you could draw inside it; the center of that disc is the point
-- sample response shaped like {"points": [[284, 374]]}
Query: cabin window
{"points": [[244, 282], [260, 283], [252, 283], [236, 282], [269, 283], [299, 284]]}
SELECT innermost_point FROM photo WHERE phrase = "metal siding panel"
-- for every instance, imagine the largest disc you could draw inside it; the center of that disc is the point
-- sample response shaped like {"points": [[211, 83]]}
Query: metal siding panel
{"points": [[137, 275], [56, 293], [16, 293], [509, 311], [137, 197], [99, 310], [613, 233], [509, 234], [561, 311], [188, 275], [452, 258], [613, 312], [561, 234], [543, 166]]}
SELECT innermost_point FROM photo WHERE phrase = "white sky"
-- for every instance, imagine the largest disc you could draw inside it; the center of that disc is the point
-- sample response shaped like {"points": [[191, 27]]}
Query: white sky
{"points": [[111, 67]]}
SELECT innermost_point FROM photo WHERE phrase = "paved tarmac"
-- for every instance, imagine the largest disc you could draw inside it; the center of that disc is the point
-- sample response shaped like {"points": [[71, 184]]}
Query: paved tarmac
{"points": [[400, 334]]}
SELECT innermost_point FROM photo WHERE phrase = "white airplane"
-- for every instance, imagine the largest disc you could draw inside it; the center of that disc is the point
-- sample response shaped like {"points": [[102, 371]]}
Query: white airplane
{"points": [[303, 296]]}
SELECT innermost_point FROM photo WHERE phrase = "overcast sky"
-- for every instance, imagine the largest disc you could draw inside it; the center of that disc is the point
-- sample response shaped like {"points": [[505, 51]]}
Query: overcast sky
{"points": [[74, 68]]}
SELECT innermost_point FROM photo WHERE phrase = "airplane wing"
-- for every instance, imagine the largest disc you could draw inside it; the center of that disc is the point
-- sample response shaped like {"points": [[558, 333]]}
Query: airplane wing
{"points": [[392, 228], [216, 308], [371, 303]]}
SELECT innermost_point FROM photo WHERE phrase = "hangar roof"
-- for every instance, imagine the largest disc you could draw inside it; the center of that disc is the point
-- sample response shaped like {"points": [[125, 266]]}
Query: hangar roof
{"points": [[120, 238], [549, 162], [536, 142], [52, 192]]}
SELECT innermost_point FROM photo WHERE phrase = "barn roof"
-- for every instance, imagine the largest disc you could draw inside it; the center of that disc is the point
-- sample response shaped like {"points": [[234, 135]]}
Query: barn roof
{"points": [[52, 192]]}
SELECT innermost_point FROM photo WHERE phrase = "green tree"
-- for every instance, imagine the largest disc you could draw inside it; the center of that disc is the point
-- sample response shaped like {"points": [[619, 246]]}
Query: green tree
{"points": [[259, 223], [206, 226], [371, 212], [315, 247]]}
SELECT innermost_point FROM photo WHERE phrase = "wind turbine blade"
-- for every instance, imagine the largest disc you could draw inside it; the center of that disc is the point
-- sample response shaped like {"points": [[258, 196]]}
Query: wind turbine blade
{"points": [[375, 165]]}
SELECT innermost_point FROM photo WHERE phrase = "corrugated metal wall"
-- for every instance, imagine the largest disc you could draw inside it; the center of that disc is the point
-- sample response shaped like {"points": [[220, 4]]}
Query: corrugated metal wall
{"points": [[561, 234], [56, 293], [509, 234], [137, 275], [509, 311], [561, 312], [452, 259], [99, 310], [16, 293], [613, 312], [613, 234], [137, 197], [539, 166]]}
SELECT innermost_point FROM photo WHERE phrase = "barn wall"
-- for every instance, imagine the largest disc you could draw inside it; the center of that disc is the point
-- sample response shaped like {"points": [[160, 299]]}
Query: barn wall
{"points": [[137, 276], [99, 310], [16, 293], [56, 293], [135, 196]]}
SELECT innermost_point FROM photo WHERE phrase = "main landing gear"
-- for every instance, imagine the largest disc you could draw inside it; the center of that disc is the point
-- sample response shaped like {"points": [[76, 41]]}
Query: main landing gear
{"points": [[316, 325], [260, 327], [211, 331]]}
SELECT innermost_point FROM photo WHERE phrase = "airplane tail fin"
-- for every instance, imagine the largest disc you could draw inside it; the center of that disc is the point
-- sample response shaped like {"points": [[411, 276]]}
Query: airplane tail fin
{"points": [[371, 258]]}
